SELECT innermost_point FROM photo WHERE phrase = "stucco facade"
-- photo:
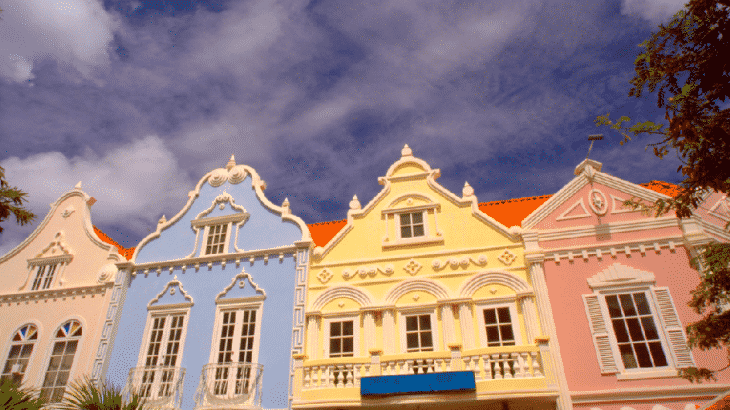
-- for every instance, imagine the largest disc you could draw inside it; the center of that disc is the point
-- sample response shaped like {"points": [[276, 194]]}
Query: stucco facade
{"points": [[54, 291], [213, 300]]}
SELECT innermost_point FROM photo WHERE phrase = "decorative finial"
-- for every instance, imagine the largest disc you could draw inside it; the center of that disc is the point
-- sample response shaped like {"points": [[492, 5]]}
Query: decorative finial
{"points": [[467, 191], [406, 151], [285, 206], [355, 204], [162, 220], [231, 163], [593, 138], [78, 186]]}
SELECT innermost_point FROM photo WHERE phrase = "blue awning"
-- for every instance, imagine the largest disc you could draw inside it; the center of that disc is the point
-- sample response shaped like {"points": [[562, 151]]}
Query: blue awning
{"points": [[417, 383]]}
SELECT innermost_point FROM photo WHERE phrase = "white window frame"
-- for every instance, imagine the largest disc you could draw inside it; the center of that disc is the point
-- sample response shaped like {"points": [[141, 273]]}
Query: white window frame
{"points": [[327, 321], [399, 225], [222, 306], [42, 273], [76, 358], [435, 334], [431, 235], [516, 323], [21, 343], [152, 313], [619, 279], [226, 241], [202, 226]]}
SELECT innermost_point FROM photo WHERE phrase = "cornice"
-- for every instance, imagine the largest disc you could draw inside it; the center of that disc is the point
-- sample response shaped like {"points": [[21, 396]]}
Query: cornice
{"points": [[611, 228], [55, 293], [614, 248], [649, 393]]}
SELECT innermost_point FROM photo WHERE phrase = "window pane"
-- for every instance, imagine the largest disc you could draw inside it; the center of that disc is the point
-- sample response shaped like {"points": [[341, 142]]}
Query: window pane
{"points": [[613, 308], [492, 334], [642, 353], [405, 231], [335, 346], [634, 329], [62, 378], [417, 218], [418, 230], [71, 347], [58, 348], [649, 328], [335, 329], [657, 354], [411, 323], [14, 352], [347, 345], [405, 219], [425, 322], [627, 304], [627, 355], [412, 340], [26, 351], [620, 330], [506, 331], [426, 340], [490, 316], [504, 315], [641, 304], [347, 328]]}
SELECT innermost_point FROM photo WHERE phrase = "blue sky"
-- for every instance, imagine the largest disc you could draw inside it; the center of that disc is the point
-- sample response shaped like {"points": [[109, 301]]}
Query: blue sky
{"points": [[139, 99]]}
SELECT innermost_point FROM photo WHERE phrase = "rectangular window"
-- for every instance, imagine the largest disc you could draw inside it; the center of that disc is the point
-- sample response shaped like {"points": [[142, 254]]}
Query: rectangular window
{"points": [[342, 339], [418, 333], [635, 330], [17, 362], [411, 225], [498, 325], [44, 277], [236, 350], [216, 241], [59, 367], [161, 356]]}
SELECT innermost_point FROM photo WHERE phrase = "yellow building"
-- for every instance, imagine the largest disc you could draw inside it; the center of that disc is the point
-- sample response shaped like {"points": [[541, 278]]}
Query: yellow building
{"points": [[421, 282]]}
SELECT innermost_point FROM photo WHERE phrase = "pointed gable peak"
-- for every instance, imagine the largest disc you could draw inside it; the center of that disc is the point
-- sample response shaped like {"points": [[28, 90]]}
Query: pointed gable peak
{"points": [[409, 167], [406, 151], [589, 166], [78, 186], [231, 163]]}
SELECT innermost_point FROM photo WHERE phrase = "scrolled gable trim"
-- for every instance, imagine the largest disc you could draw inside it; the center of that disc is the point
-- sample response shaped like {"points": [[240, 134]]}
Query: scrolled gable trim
{"points": [[173, 282], [360, 296], [519, 285]]}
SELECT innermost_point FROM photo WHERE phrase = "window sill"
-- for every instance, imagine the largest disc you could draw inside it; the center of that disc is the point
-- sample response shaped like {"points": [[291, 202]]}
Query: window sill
{"points": [[650, 374], [413, 241]]}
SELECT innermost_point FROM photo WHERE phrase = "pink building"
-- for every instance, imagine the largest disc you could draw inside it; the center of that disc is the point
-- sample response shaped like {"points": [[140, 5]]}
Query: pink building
{"points": [[619, 282]]}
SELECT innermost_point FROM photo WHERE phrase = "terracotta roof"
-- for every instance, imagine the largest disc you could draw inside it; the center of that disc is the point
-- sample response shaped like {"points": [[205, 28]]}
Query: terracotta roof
{"points": [[511, 212], [323, 232], [126, 252], [508, 212], [662, 187], [720, 403]]}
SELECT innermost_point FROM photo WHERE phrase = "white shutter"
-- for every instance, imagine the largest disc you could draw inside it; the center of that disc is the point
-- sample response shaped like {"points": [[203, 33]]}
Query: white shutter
{"points": [[673, 328], [601, 341]]}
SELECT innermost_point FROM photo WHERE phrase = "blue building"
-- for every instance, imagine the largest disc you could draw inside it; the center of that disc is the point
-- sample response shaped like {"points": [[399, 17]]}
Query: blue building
{"points": [[209, 309]]}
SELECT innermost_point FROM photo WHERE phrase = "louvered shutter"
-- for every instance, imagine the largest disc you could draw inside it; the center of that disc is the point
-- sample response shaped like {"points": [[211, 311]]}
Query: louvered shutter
{"points": [[600, 335], [673, 328]]}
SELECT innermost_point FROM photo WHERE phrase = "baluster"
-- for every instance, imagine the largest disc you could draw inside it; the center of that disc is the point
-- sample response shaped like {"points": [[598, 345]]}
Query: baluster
{"points": [[439, 365], [307, 378], [525, 366], [367, 369], [410, 367], [339, 376], [327, 370], [497, 367], [507, 365], [519, 366], [448, 365], [536, 368], [358, 372], [487, 366], [429, 362], [318, 376], [401, 367], [348, 374]]}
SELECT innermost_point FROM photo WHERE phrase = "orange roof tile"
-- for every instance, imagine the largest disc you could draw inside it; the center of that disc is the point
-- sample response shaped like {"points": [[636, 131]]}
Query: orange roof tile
{"points": [[323, 232], [721, 403], [662, 187], [127, 253], [511, 212]]}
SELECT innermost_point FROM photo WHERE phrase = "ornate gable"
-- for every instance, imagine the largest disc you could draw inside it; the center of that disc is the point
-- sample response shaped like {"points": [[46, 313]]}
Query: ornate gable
{"points": [[238, 289], [172, 294]]}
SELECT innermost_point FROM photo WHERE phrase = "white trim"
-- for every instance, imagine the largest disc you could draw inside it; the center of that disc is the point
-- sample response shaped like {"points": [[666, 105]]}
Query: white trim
{"points": [[514, 282], [689, 391], [515, 322], [77, 355], [11, 343], [173, 282], [564, 216], [221, 307], [360, 296], [425, 285], [151, 315], [355, 318]]}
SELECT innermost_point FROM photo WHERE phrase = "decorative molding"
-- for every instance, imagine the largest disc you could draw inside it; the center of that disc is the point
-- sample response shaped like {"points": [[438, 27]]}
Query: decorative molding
{"points": [[613, 249], [721, 209], [598, 202], [108, 271], [67, 212], [617, 205], [241, 284], [325, 275], [298, 309], [37, 295], [359, 295], [55, 252], [519, 285], [410, 285], [455, 262], [173, 282], [507, 257], [111, 323], [412, 267], [365, 271], [620, 275], [579, 204], [650, 393]]}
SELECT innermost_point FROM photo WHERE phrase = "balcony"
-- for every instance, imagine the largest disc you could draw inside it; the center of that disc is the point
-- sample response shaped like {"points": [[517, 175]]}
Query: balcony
{"points": [[509, 371], [160, 386], [228, 385]]}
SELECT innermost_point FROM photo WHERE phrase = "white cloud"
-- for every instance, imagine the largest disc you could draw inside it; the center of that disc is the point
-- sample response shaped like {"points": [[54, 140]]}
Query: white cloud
{"points": [[656, 11], [133, 184], [74, 32]]}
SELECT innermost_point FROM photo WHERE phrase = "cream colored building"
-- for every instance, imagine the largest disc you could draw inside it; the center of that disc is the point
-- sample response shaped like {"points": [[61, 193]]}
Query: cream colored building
{"points": [[57, 289]]}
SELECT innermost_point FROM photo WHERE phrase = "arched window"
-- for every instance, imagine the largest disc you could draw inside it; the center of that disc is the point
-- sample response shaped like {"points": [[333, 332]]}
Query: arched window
{"points": [[20, 349], [62, 357]]}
